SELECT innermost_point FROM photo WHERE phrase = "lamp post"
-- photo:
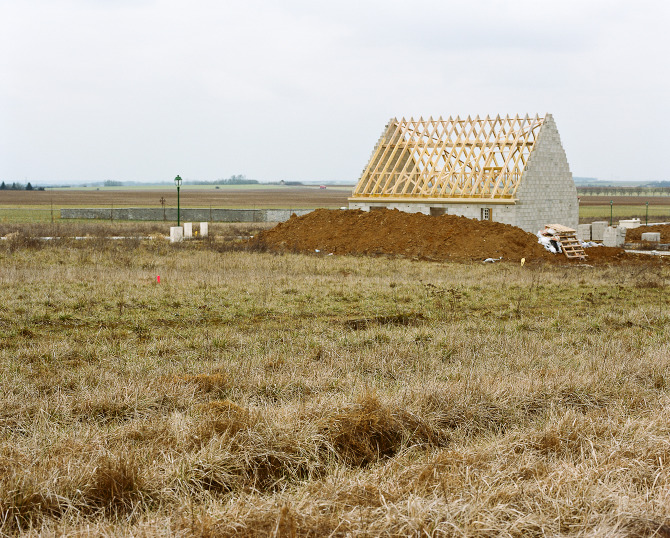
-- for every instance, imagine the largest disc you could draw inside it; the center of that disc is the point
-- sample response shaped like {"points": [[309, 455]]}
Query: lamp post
{"points": [[611, 205], [177, 181], [646, 217]]}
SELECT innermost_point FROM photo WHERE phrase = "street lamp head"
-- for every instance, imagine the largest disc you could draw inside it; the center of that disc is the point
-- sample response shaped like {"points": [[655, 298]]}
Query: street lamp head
{"points": [[177, 181]]}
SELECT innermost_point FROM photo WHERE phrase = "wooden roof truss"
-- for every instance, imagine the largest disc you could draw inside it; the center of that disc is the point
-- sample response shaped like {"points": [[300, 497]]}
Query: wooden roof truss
{"points": [[453, 158]]}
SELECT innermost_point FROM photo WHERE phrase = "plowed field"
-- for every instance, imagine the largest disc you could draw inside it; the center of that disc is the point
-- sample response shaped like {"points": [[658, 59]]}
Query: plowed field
{"points": [[305, 197]]}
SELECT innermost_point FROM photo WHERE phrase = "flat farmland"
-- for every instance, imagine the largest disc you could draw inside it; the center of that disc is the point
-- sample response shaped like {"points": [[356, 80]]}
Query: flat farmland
{"points": [[16, 206], [625, 200], [598, 207], [279, 197]]}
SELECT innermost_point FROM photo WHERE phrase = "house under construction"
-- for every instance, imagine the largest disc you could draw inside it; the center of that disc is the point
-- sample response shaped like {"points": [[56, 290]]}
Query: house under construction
{"points": [[512, 170]]}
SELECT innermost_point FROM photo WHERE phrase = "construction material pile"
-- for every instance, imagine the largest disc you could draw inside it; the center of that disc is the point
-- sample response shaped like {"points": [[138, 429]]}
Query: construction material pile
{"points": [[411, 235]]}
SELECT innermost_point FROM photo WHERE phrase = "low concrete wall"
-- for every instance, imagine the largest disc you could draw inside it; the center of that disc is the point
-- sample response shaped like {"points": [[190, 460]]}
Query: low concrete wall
{"points": [[187, 214], [505, 213]]}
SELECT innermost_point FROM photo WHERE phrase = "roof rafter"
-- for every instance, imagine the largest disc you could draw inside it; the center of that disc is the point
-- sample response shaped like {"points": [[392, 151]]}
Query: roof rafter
{"points": [[452, 158]]}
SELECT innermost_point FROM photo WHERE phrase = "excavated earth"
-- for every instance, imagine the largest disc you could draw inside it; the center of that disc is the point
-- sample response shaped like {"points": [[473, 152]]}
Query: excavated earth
{"points": [[415, 235], [635, 234]]}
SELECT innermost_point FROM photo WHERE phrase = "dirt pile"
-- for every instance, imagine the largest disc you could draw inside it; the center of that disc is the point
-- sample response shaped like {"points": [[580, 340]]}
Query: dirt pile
{"points": [[412, 235], [635, 234]]}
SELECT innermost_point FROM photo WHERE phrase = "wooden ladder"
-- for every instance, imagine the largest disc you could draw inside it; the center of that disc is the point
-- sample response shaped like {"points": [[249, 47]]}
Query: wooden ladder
{"points": [[570, 245]]}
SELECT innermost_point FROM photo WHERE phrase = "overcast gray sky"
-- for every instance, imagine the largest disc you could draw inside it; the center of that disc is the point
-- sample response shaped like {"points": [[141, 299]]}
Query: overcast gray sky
{"points": [[143, 90]]}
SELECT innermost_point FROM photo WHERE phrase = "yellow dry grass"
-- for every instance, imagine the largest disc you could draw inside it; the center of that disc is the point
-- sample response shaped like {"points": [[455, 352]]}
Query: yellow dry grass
{"points": [[242, 396]]}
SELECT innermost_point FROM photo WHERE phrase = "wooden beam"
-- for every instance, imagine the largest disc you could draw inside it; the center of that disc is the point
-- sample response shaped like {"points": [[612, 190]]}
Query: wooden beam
{"points": [[453, 158]]}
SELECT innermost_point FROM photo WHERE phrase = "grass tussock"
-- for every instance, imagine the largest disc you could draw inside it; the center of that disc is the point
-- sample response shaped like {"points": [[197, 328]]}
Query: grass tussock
{"points": [[115, 487], [370, 431], [238, 396], [207, 383], [24, 505]]}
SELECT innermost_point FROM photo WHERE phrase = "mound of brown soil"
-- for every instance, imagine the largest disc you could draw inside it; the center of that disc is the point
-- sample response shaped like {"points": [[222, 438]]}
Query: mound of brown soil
{"points": [[635, 234], [413, 235]]}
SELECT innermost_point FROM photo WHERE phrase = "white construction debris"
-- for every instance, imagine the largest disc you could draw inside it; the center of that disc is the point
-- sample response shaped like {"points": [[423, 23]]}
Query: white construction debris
{"points": [[548, 243]]}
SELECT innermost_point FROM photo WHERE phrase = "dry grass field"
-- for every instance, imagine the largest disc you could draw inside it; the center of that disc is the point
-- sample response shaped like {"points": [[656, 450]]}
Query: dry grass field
{"points": [[251, 394]]}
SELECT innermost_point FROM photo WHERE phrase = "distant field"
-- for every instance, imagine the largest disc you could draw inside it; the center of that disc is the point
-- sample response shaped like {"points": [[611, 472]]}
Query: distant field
{"points": [[279, 197], [34, 206], [623, 200], [250, 186], [598, 207]]}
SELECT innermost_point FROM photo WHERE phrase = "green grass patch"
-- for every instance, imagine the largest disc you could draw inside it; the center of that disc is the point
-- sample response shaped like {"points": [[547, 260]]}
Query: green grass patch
{"points": [[624, 211], [27, 215]]}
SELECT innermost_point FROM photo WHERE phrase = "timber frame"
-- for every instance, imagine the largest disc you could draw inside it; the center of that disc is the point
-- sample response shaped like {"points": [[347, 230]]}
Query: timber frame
{"points": [[454, 160]]}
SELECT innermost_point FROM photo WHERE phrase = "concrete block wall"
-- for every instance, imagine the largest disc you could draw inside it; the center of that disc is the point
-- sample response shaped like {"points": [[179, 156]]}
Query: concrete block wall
{"points": [[407, 208], [500, 213], [187, 214], [547, 193], [507, 214]]}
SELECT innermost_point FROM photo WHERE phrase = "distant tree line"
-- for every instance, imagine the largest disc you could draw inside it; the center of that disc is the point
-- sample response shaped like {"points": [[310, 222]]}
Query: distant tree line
{"points": [[18, 187], [623, 191], [232, 180], [239, 179]]}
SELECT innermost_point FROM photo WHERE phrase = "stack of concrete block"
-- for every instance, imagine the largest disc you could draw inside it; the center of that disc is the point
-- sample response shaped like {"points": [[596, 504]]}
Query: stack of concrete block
{"points": [[630, 223], [598, 230], [204, 229], [621, 236], [188, 230], [614, 236], [176, 234], [652, 237], [584, 232]]}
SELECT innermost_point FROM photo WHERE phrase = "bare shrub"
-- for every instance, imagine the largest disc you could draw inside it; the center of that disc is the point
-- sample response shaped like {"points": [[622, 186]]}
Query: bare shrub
{"points": [[19, 241]]}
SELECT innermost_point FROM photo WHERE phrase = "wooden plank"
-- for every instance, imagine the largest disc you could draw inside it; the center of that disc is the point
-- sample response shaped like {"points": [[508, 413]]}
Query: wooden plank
{"points": [[561, 228]]}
